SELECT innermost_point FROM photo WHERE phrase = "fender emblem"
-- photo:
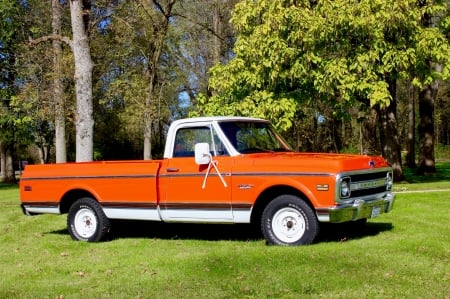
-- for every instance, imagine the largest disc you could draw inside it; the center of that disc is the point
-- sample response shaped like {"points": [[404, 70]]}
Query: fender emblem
{"points": [[245, 186], [371, 164]]}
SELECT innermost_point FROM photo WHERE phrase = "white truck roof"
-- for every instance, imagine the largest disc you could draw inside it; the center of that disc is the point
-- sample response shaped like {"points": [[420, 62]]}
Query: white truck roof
{"points": [[215, 118], [200, 120]]}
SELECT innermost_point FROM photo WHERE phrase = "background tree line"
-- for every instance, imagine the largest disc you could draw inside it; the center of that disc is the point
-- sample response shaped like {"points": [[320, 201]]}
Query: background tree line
{"points": [[83, 80]]}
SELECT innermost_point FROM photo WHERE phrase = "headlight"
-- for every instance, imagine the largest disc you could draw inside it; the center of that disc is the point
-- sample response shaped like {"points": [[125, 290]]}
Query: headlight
{"points": [[345, 188], [389, 181]]}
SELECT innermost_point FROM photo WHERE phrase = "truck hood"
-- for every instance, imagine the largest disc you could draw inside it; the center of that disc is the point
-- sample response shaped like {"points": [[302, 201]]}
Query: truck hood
{"points": [[320, 162]]}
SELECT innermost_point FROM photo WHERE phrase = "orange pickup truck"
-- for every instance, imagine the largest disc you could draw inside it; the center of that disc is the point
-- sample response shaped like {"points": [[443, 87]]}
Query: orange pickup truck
{"points": [[215, 170]]}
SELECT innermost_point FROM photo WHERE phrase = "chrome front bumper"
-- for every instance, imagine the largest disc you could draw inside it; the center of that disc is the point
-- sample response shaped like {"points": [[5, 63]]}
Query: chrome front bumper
{"points": [[359, 209]]}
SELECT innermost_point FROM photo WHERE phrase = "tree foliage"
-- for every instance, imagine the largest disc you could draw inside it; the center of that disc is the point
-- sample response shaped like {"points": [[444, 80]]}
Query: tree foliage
{"points": [[11, 123], [135, 73], [126, 87], [291, 54], [332, 75], [298, 52], [46, 91]]}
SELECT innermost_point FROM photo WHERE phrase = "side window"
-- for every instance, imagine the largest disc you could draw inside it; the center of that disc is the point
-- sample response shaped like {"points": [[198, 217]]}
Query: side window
{"points": [[186, 138]]}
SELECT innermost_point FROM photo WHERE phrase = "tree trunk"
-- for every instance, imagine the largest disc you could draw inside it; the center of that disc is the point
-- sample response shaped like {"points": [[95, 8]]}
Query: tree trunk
{"points": [[60, 122], [427, 96], [152, 72], [2, 162], [9, 175], [445, 125], [390, 145], [147, 135], [347, 133], [84, 122], [411, 156], [369, 139], [217, 25]]}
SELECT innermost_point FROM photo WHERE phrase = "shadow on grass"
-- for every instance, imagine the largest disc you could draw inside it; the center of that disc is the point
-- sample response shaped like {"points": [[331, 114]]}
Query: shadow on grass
{"points": [[442, 174], [184, 231], [123, 229], [341, 232], [5, 186]]}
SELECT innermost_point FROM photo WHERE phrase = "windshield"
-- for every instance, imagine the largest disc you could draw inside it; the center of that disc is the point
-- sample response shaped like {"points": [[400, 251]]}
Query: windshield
{"points": [[253, 137]]}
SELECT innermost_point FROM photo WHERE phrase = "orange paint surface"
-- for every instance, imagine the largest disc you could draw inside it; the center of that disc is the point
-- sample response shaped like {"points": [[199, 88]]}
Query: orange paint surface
{"points": [[180, 180], [106, 181]]}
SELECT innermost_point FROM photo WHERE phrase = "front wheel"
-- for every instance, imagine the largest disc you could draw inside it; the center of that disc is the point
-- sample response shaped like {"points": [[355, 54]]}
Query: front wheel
{"points": [[86, 221], [288, 220]]}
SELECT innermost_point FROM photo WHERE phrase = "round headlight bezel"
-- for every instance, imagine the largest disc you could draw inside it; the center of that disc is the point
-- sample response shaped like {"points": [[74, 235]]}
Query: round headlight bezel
{"points": [[389, 181], [345, 188]]}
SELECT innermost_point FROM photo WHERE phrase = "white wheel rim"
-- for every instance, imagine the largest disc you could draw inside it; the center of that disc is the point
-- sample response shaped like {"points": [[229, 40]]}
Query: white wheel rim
{"points": [[85, 223], [288, 225]]}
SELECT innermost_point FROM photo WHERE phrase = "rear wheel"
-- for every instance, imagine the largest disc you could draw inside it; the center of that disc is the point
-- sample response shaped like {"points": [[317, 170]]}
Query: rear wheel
{"points": [[86, 221], [288, 220]]}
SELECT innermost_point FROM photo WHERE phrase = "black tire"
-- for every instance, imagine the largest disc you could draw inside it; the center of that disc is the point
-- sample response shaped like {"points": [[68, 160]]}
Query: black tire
{"points": [[86, 221], [288, 220]]}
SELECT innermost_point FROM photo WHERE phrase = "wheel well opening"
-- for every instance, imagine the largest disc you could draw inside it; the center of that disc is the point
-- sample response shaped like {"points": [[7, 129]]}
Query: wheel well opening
{"points": [[70, 197], [268, 195]]}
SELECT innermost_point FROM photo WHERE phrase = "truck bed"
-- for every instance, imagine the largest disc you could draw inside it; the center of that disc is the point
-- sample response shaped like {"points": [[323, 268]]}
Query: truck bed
{"points": [[112, 183]]}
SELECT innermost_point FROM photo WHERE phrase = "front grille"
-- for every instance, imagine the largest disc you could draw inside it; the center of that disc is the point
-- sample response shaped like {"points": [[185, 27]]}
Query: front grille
{"points": [[366, 192], [368, 176], [368, 185]]}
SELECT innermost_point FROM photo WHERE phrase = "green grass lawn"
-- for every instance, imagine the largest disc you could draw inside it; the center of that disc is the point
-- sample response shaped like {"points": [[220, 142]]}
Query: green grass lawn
{"points": [[403, 254], [436, 181]]}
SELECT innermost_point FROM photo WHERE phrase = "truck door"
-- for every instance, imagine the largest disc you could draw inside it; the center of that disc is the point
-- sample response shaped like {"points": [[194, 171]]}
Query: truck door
{"points": [[192, 193]]}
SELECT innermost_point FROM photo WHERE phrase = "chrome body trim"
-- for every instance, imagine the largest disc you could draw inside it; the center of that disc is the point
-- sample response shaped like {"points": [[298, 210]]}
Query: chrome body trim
{"points": [[358, 209], [31, 210], [132, 214]]}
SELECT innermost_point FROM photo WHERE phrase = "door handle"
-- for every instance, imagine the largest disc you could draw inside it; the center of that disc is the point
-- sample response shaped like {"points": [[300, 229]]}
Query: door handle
{"points": [[172, 169]]}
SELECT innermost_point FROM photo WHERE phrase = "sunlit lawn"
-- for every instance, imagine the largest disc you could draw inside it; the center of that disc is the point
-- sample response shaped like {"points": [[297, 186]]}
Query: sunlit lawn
{"points": [[403, 254]]}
